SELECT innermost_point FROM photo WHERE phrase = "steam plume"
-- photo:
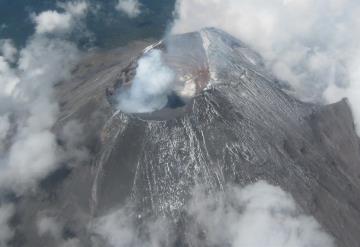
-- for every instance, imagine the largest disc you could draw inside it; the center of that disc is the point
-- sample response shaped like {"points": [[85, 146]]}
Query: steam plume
{"points": [[152, 84]]}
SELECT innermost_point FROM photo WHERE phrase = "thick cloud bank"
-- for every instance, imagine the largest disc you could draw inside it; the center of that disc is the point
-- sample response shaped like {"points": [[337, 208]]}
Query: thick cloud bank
{"points": [[28, 110], [257, 215], [28, 113], [151, 86], [129, 7], [313, 44]]}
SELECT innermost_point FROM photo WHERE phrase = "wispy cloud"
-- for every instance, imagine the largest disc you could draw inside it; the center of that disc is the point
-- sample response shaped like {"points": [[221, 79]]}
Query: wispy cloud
{"points": [[6, 233], [54, 228], [132, 8], [8, 50]]}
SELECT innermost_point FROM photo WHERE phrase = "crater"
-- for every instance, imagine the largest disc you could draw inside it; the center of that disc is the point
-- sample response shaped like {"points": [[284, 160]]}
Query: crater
{"points": [[185, 56]]}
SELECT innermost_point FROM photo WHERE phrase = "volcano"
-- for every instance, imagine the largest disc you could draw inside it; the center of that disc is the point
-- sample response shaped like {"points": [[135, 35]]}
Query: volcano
{"points": [[229, 121]]}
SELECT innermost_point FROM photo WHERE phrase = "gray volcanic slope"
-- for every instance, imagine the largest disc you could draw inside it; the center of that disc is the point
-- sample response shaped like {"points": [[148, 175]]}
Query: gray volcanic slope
{"points": [[240, 128]]}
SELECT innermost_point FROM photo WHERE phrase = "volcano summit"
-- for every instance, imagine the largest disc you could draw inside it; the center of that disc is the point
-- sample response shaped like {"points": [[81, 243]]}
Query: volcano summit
{"points": [[220, 121]]}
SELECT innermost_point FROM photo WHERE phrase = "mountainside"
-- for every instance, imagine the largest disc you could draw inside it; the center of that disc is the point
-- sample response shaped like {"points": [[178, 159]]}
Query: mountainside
{"points": [[235, 125]]}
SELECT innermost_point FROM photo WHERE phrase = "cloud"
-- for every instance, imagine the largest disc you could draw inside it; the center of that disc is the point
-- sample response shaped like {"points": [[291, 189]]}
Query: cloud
{"points": [[8, 50], [55, 22], [120, 229], [72, 137], [49, 225], [76, 8], [4, 127], [129, 7], [151, 86], [8, 81], [29, 93], [53, 227], [117, 229], [6, 233], [310, 43], [52, 21], [256, 215], [29, 150]]}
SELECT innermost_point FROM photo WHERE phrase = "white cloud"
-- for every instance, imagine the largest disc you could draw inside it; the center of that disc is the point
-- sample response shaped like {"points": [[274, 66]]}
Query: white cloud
{"points": [[74, 242], [8, 80], [33, 153], [310, 43], [49, 225], [53, 227], [257, 215], [129, 7], [6, 233], [8, 50], [119, 229], [4, 127], [77, 9], [28, 108], [73, 137], [54, 22]]}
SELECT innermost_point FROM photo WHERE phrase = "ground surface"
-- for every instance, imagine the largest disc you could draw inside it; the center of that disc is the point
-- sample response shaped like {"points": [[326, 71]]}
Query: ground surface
{"points": [[243, 128]]}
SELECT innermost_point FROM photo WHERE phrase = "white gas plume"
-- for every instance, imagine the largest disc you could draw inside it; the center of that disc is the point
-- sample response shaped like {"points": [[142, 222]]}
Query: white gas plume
{"points": [[151, 86]]}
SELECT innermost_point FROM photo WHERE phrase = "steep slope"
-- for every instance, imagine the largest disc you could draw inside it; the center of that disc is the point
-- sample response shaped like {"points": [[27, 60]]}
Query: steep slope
{"points": [[240, 129], [237, 128]]}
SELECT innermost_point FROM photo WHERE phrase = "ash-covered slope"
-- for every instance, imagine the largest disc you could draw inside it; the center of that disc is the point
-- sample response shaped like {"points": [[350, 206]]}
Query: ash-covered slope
{"points": [[240, 129], [237, 127]]}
